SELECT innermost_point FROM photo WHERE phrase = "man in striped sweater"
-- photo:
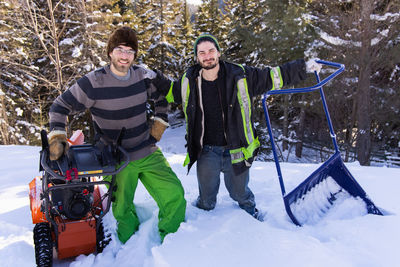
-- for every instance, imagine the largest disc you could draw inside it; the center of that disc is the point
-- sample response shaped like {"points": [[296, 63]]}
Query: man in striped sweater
{"points": [[116, 96]]}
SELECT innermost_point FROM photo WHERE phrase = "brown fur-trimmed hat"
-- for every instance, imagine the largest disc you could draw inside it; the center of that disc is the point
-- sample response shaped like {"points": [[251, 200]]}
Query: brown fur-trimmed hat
{"points": [[122, 36]]}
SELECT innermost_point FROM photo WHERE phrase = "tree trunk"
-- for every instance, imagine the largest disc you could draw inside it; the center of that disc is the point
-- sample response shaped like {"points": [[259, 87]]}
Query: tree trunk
{"points": [[162, 38], [349, 132], [285, 130], [300, 130], [363, 87], [259, 111], [4, 122], [48, 33]]}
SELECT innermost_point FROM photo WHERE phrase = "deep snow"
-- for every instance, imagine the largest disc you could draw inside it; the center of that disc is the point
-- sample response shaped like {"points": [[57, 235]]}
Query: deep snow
{"points": [[226, 236]]}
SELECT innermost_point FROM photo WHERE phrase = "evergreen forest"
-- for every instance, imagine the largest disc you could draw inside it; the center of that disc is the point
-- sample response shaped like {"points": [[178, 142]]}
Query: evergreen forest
{"points": [[46, 45]]}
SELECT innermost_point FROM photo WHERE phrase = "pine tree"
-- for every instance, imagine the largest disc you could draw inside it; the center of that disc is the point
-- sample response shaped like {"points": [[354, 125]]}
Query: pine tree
{"points": [[183, 39], [32, 65], [246, 17], [361, 34], [159, 31], [11, 41], [269, 33], [211, 18], [47, 46]]}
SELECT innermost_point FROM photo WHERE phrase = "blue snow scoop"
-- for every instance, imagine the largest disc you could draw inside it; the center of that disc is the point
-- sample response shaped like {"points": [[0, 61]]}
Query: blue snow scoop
{"points": [[332, 181]]}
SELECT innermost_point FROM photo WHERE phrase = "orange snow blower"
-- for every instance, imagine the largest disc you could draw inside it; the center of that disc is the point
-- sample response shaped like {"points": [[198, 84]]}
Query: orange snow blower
{"points": [[68, 201]]}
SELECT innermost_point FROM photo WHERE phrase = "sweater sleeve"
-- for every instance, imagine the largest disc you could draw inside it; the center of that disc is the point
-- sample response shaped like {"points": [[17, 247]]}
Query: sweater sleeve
{"points": [[72, 101], [155, 93]]}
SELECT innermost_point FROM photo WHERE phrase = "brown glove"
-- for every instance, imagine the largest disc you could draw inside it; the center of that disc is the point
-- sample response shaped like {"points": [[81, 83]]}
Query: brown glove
{"points": [[158, 128], [58, 144]]}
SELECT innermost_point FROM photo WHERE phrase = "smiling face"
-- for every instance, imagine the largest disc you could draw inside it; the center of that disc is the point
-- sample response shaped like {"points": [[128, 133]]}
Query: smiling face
{"points": [[122, 58], [207, 55]]}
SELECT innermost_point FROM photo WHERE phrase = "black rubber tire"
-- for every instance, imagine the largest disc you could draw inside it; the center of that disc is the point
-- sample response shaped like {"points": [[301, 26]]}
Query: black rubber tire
{"points": [[101, 240], [43, 245]]}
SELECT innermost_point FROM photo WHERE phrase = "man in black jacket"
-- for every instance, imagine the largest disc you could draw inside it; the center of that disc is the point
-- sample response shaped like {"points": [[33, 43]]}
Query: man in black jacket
{"points": [[217, 101]]}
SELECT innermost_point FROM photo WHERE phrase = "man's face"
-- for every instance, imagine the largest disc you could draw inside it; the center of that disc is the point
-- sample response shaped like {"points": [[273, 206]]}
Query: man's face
{"points": [[207, 55], [121, 59]]}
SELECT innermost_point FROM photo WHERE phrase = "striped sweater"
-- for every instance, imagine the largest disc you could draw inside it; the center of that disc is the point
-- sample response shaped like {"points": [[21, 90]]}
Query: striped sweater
{"points": [[114, 104]]}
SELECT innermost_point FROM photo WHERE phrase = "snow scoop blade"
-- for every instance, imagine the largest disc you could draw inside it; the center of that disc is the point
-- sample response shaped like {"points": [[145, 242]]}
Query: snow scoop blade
{"points": [[330, 183]]}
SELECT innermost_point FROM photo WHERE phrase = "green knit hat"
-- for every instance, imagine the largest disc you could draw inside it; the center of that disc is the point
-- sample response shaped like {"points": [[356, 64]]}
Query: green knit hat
{"points": [[205, 37]]}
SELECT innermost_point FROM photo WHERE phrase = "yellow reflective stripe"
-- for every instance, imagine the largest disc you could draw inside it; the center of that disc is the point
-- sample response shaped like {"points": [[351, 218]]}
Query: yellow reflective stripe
{"points": [[185, 91], [187, 160], [236, 155], [170, 95], [234, 161], [249, 123], [252, 147], [240, 85], [244, 153], [276, 77], [245, 109]]}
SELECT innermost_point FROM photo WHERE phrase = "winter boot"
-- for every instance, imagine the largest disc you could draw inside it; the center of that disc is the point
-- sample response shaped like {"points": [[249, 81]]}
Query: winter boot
{"points": [[258, 215]]}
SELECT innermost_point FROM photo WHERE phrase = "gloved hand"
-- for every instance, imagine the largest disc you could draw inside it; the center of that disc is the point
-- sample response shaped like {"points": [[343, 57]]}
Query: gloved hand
{"points": [[312, 66], [58, 144], [158, 128], [161, 82]]}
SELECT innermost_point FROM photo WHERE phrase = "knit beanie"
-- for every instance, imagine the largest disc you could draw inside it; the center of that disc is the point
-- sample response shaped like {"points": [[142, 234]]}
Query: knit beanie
{"points": [[205, 37], [122, 36]]}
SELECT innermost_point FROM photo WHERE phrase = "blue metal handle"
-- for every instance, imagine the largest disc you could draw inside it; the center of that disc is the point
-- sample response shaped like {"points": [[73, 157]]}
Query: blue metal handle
{"points": [[314, 87], [302, 90]]}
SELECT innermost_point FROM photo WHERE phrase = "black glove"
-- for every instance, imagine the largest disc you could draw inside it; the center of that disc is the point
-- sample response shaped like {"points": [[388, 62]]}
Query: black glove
{"points": [[161, 82]]}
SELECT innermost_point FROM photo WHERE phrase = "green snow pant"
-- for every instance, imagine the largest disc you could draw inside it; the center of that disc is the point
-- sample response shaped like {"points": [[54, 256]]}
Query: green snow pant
{"points": [[163, 185]]}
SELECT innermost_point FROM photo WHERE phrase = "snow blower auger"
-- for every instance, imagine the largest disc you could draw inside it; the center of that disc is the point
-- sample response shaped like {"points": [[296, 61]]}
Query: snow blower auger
{"points": [[68, 201], [331, 182]]}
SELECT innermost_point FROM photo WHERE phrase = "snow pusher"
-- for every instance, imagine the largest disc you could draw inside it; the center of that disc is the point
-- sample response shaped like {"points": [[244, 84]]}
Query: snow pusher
{"points": [[68, 201], [331, 182]]}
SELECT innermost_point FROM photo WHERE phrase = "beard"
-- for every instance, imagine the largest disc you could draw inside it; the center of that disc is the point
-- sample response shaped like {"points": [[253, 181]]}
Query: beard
{"points": [[119, 67], [208, 66]]}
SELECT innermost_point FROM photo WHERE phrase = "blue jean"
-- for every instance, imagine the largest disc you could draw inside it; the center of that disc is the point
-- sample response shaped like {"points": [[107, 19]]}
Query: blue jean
{"points": [[212, 161]]}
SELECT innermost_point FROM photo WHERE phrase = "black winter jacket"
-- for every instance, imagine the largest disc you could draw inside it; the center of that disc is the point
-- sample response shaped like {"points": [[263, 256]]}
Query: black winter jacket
{"points": [[230, 75]]}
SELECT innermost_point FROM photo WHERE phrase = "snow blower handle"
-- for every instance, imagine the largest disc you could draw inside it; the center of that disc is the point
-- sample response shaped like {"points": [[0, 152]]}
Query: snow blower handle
{"points": [[340, 68], [44, 163], [45, 159]]}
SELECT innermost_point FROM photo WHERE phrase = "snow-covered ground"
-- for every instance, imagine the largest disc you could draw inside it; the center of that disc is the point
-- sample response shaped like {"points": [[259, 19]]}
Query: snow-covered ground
{"points": [[226, 236]]}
